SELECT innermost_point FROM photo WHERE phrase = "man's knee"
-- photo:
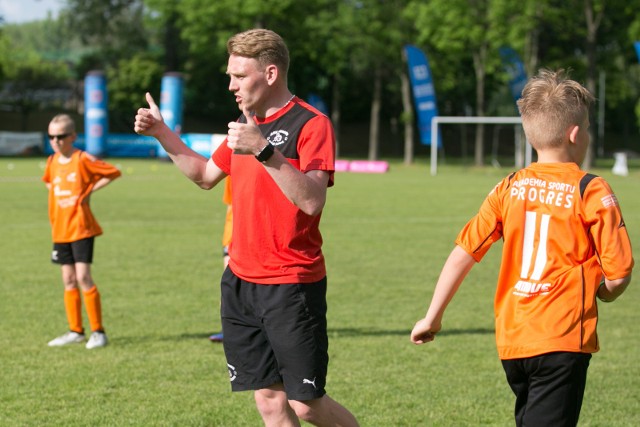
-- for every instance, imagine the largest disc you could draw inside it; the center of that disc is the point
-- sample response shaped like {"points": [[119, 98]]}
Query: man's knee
{"points": [[307, 410], [270, 402]]}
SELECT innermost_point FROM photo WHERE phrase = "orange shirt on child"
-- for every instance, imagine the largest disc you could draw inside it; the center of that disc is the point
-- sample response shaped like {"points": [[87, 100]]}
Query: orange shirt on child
{"points": [[562, 230], [228, 220], [71, 185]]}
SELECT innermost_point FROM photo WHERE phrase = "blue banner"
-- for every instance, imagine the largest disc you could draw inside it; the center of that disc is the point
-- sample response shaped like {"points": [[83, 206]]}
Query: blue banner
{"points": [[171, 94], [515, 68], [131, 145], [134, 145], [96, 118], [203, 143], [118, 145], [637, 45], [424, 94]]}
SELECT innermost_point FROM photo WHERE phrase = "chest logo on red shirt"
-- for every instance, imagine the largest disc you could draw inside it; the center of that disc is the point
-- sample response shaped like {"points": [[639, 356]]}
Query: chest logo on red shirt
{"points": [[278, 137]]}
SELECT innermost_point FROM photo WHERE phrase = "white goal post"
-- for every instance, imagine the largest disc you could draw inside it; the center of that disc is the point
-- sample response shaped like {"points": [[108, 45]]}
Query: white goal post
{"points": [[475, 119]]}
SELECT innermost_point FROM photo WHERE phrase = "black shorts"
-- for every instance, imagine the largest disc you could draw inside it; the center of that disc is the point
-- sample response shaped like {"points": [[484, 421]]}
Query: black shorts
{"points": [[70, 253], [275, 334], [549, 388]]}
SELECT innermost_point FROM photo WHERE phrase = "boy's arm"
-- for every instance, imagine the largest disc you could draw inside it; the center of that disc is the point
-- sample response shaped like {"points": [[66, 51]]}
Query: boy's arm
{"points": [[102, 182], [609, 290], [453, 273], [611, 239]]}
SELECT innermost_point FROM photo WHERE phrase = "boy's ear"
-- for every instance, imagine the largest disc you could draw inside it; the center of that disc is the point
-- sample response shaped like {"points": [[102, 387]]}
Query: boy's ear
{"points": [[573, 133]]}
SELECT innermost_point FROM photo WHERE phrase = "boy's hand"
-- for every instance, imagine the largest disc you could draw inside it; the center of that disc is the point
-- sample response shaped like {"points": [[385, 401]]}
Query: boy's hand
{"points": [[424, 331], [149, 121]]}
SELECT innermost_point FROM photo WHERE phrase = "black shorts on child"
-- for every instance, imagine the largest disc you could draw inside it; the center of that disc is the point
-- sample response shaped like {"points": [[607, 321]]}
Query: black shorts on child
{"points": [[549, 388], [70, 253]]}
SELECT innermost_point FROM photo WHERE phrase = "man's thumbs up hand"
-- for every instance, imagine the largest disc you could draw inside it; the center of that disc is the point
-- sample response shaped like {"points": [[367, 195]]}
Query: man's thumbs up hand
{"points": [[148, 120], [245, 138]]}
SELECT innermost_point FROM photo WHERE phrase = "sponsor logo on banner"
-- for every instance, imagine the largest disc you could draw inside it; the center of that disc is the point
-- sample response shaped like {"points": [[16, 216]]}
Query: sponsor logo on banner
{"points": [[515, 69], [424, 94]]}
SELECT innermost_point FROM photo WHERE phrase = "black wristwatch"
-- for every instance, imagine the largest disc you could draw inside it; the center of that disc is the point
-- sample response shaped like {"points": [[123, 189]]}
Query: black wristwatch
{"points": [[266, 153]]}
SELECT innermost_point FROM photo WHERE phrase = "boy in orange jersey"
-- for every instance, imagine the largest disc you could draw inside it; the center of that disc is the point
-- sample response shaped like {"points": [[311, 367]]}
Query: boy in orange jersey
{"points": [[226, 240], [565, 243], [72, 175], [228, 223]]}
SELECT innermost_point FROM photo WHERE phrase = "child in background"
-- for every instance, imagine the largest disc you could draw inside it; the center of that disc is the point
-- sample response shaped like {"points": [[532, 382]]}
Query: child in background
{"points": [[226, 240], [565, 243], [72, 175]]}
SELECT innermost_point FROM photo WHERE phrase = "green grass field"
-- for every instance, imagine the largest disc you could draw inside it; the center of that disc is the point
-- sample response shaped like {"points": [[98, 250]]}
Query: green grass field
{"points": [[158, 267]]}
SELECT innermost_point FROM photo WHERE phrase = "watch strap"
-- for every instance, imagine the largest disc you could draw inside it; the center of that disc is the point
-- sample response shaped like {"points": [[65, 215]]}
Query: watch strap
{"points": [[266, 153]]}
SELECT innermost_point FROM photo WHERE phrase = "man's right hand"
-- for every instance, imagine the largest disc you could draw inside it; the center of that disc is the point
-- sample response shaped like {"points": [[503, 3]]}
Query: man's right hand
{"points": [[149, 121]]}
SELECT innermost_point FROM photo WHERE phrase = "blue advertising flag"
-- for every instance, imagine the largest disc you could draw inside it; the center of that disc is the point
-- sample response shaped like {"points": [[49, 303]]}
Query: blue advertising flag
{"points": [[637, 45], [515, 68], [96, 117], [171, 104], [424, 94]]}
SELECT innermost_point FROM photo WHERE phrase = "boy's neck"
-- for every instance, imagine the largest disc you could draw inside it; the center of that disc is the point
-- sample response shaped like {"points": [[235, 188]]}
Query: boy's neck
{"points": [[555, 156], [66, 156]]}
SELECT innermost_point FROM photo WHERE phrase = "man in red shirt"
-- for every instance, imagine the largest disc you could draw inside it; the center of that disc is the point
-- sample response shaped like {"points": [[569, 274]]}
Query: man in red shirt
{"points": [[280, 154], [565, 243]]}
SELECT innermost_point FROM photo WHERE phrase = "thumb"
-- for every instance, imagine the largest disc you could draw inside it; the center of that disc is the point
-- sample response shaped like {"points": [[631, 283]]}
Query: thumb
{"points": [[153, 107], [248, 116], [152, 103]]}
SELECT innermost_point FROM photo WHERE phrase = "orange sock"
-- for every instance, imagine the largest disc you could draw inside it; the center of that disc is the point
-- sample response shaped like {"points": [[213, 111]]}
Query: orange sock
{"points": [[94, 308], [73, 310]]}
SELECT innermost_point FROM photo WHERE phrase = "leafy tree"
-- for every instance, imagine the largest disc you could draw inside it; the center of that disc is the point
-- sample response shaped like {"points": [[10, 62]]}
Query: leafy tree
{"points": [[347, 51], [380, 36], [127, 82], [29, 81], [4, 53], [329, 63], [206, 33], [461, 29], [164, 30], [113, 29]]}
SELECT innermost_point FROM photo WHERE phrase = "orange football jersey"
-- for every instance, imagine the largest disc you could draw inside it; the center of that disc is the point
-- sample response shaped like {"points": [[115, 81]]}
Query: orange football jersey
{"points": [[562, 230], [228, 221], [71, 185]]}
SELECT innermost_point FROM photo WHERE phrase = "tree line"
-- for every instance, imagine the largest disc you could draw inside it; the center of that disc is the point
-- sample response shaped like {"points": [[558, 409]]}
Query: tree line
{"points": [[348, 52]]}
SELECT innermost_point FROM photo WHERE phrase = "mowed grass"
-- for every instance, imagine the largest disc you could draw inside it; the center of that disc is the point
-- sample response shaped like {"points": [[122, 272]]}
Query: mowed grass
{"points": [[158, 267]]}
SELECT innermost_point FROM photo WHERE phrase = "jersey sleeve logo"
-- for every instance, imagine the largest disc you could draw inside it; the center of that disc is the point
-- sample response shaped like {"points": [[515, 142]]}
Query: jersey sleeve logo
{"points": [[609, 201]]}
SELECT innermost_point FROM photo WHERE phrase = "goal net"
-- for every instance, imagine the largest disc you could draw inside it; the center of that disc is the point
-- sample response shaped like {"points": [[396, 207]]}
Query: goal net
{"points": [[522, 150]]}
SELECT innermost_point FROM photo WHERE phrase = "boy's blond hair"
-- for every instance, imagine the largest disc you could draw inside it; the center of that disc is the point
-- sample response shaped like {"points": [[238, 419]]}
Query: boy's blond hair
{"points": [[265, 46], [66, 121], [549, 105]]}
